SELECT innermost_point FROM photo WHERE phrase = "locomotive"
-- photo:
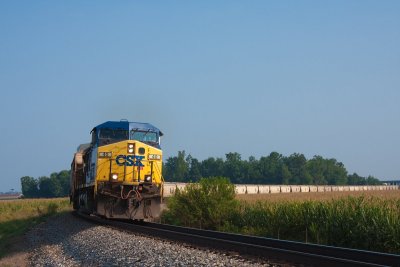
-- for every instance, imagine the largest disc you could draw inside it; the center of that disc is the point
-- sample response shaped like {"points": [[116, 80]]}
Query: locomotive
{"points": [[119, 173]]}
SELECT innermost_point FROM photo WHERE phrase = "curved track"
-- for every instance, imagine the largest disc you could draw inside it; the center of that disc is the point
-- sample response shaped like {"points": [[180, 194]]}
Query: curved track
{"points": [[288, 251]]}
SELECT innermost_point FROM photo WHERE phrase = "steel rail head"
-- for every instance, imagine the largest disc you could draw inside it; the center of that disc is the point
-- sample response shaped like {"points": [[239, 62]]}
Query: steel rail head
{"points": [[267, 248]]}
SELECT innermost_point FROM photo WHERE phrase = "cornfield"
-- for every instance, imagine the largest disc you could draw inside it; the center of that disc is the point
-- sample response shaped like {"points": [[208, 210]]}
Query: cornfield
{"points": [[362, 222], [365, 221]]}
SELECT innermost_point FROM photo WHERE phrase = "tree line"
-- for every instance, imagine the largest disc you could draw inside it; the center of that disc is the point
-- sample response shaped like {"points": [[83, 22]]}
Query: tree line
{"points": [[57, 185], [272, 169]]}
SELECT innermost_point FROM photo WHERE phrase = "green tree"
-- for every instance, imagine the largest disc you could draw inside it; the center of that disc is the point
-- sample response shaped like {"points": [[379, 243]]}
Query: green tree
{"points": [[271, 168], [194, 174], [371, 180], [49, 187], [327, 171], [285, 175], [317, 168], [212, 167], [29, 187], [297, 166], [336, 173], [355, 179], [64, 181], [233, 167], [252, 171], [176, 168]]}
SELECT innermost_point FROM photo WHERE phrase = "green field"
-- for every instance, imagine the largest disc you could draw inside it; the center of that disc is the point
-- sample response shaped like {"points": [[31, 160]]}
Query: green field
{"points": [[18, 216], [369, 221], [363, 222]]}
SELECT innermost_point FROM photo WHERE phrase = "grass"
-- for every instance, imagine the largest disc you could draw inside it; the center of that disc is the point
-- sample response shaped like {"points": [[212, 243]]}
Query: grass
{"points": [[18, 216]]}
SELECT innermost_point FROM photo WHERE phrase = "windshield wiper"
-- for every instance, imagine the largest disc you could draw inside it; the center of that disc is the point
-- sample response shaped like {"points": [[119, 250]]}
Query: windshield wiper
{"points": [[132, 132], [146, 133]]}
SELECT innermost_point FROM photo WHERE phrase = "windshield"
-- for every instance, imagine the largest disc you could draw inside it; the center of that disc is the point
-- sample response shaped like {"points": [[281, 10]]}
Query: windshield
{"points": [[144, 136], [108, 136]]}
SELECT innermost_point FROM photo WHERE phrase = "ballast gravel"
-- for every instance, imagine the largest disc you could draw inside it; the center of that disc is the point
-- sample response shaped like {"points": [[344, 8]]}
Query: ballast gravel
{"points": [[69, 241]]}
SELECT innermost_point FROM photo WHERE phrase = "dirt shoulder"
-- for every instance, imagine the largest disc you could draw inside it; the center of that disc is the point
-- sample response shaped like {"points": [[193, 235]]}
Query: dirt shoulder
{"points": [[18, 253]]}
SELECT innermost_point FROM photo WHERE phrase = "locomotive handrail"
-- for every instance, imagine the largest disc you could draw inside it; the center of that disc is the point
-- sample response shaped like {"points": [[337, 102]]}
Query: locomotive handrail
{"points": [[162, 180]]}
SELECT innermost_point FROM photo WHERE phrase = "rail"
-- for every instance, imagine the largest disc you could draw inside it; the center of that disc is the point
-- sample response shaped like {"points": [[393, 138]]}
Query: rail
{"points": [[288, 251]]}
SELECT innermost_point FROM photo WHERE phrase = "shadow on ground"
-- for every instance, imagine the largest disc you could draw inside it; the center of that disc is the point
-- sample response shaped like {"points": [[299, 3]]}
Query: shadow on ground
{"points": [[15, 244]]}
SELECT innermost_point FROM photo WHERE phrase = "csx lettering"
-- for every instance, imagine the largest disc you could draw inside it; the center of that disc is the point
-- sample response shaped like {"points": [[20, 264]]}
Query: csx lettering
{"points": [[130, 160]]}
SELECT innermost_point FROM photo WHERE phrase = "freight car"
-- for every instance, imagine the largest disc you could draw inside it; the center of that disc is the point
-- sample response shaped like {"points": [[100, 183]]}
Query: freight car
{"points": [[240, 189], [119, 173]]}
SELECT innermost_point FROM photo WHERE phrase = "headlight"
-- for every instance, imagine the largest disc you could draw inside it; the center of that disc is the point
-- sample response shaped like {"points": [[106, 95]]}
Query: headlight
{"points": [[131, 148], [114, 176], [147, 178]]}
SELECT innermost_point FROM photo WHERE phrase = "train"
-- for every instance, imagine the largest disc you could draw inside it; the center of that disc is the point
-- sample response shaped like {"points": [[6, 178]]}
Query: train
{"points": [[240, 189], [119, 173]]}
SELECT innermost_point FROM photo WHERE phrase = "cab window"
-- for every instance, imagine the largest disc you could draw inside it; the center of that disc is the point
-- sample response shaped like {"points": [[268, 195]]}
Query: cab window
{"points": [[109, 136], [150, 137]]}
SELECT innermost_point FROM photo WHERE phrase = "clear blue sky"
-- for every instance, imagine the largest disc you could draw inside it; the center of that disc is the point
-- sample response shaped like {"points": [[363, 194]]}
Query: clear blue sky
{"points": [[314, 77]]}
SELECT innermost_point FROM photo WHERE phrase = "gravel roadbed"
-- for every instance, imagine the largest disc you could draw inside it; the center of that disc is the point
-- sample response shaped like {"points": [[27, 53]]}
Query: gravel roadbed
{"points": [[69, 241]]}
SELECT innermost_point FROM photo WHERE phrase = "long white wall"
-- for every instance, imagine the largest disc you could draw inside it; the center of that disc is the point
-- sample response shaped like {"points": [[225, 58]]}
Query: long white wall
{"points": [[169, 188]]}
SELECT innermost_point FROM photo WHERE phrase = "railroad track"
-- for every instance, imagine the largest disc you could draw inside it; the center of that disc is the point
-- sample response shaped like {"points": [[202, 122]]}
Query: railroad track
{"points": [[287, 251]]}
